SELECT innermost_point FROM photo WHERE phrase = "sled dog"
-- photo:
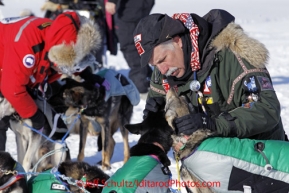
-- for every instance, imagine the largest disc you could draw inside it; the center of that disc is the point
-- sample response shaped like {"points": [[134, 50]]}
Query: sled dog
{"points": [[177, 107], [148, 156], [208, 157], [94, 177], [12, 179], [96, 116], [31, 146]]}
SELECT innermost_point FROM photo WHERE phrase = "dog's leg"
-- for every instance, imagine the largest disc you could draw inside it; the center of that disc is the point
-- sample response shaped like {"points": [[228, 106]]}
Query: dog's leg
{"points": [[82, 137], [107, 147], [115, 123], [33, 146], [59, 156], [21, 141], [124, 133], [106, 143], [124, 115]]}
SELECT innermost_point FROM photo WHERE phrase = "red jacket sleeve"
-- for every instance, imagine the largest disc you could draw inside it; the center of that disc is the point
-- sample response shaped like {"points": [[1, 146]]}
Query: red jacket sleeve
{"points": [[18, 65]]}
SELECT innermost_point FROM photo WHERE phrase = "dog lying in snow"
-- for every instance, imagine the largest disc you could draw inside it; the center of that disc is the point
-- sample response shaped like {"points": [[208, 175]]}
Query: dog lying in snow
{"points": [[219, 164], [148, 161], [12, 179]]}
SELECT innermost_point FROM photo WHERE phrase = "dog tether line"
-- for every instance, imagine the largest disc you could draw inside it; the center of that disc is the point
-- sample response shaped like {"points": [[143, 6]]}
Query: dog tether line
{"points": [[178, 171], [49, 139], [62, 149]]}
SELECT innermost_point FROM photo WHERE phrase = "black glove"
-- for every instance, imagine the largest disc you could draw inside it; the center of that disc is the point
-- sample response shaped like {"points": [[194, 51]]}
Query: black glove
{"points": [[188, 124], [38, 120], [153, 104], [88, 76]]}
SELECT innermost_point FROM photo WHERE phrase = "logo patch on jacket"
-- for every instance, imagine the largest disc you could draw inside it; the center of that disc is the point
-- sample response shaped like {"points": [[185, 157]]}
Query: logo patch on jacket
{"points": [[207, 85], [44, 25], [250, 84], [265, 83], [55, 186], [139, 48], [29, 61], [137, 40]]}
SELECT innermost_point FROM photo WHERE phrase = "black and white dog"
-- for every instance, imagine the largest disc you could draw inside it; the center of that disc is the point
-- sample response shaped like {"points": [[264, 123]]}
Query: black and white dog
{"points": [[148, 156], [31, 146], [12, 179]]}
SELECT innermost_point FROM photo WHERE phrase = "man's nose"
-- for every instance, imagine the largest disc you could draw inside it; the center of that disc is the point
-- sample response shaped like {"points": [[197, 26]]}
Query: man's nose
{"points": [[162, 68]]}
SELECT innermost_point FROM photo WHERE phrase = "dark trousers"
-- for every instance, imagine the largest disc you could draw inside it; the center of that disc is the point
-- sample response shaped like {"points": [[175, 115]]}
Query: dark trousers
{"points": [[4, 125], [139, 76], [129, 13]]}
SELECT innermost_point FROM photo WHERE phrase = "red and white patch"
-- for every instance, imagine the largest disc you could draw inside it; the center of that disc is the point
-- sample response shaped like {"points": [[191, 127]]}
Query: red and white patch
{"points": [[29, 60], [137, 38], [207, 90], [139, 48]]}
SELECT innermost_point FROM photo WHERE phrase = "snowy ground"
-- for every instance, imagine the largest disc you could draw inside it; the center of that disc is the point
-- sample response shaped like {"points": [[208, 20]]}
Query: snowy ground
{"points": [[267, 21]]}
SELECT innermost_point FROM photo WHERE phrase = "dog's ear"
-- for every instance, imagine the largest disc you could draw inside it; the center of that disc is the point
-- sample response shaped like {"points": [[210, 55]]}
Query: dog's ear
{"points": [[137, 128]]}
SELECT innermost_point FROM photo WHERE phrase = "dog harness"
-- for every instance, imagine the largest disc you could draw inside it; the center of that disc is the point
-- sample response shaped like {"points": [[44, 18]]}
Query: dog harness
{"points": [[12, 180], [120, 85], [16, 176], [45, 182], [139, 174]]}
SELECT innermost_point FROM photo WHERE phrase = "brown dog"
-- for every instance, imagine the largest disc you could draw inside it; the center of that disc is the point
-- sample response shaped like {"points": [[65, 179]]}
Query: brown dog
{"points": [[95, 178], [176, 107], [84, 100]]}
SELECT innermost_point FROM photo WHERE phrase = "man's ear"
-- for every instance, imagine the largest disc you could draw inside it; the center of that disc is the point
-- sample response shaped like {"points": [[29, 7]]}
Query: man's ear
{"points": [[178, 41]]}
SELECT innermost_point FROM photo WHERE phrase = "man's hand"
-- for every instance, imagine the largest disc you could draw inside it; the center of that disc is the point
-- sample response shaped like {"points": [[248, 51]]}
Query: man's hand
{"points": [[153, 104], [188, 124], [110, 7]]}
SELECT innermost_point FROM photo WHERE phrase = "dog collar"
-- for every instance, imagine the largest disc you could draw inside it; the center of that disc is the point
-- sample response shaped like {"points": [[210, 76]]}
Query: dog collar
{"points": [[155, 157], [12, 180]]}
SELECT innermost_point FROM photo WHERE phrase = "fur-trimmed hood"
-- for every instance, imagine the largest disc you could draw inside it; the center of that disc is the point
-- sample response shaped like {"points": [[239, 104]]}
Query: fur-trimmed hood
{"points": [[70, 38], [234, 38]]}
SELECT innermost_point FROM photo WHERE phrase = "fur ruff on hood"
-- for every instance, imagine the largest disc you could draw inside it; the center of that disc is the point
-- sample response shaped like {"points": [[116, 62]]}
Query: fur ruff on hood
{"points": [[50, 6], [234, 38], [68, 54]]}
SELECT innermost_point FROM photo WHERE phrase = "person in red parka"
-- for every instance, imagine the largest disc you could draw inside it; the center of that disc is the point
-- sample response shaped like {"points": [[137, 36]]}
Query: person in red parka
{"points": [[35, 51]]}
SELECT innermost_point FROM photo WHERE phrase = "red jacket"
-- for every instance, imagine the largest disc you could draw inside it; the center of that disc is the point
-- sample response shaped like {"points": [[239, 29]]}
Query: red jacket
{"points": [[23, 61], [27, 43]]}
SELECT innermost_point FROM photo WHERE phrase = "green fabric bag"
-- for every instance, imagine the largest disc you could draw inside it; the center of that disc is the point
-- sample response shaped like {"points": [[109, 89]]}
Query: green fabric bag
{"points": [[45, 182]]}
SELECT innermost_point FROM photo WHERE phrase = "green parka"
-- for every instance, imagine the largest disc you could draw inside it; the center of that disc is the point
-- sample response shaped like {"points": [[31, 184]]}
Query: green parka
{"points": [[229, 60]]}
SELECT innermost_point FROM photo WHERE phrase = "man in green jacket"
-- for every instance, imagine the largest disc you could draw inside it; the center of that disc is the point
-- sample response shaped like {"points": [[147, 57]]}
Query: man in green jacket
{"points": [[218, 67]]}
